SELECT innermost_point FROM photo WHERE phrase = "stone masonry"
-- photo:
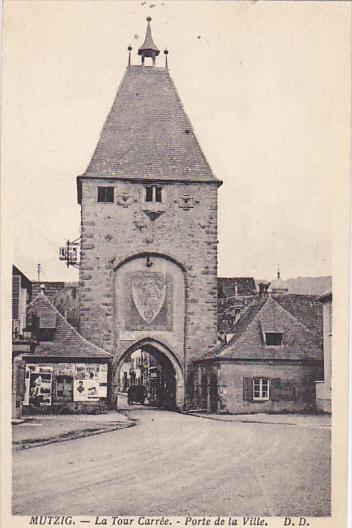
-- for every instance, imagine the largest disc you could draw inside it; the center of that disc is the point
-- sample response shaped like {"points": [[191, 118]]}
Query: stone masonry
{"points": [[146, 140]]}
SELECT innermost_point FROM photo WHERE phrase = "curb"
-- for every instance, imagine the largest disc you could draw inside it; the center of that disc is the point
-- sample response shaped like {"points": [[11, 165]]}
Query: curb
{"points": [[324, 426], [71, 435]]}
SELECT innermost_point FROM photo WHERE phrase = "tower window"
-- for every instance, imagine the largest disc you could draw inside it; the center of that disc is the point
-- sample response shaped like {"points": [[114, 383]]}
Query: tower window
{"points": [[106, 194], [153, 193], [273, 338]]}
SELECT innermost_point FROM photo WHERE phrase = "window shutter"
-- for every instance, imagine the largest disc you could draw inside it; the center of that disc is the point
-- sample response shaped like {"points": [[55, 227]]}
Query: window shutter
{"points": [[20, 382], [275, 389], [288, 391], [247, 389]]}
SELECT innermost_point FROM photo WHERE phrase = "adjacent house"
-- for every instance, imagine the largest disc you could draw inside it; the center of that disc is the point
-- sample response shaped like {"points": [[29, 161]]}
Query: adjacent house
{"points": [[271, 362], [234, 295], [323, 387], [21, 295], [65, 373]]}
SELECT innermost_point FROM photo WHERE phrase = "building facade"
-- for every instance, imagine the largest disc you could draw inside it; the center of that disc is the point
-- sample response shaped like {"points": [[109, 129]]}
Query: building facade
{"points": [[148, 273], [323, 387], [64, 373], [21, 296], [271, 362]]}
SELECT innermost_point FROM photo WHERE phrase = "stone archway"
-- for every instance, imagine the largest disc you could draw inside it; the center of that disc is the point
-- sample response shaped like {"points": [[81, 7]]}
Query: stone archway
{"points": [[172, 391]]}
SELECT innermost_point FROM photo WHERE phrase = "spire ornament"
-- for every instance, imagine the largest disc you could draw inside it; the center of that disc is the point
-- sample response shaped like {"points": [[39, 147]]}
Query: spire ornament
{"points": [[148, 48], [166, 51], [129, 54]]}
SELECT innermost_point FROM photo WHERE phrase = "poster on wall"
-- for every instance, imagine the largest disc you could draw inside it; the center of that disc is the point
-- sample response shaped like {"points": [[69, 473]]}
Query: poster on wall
{"points": [[40, 388], [65, 369], [85, 390], [103, 381], [38, 385], [103, 374], [87, 371]]}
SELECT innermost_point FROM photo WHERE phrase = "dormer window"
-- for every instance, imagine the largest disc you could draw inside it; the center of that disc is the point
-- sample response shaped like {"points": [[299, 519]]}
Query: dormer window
{"points": [[153, 193], [273, 338], [47, 334], [106, 194]]}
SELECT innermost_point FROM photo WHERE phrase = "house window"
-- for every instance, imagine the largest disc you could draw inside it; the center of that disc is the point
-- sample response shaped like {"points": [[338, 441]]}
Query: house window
{"points": [[153, 193], [46, 334], [64, 387], [260, 389], [106, 194], [273, 339]]}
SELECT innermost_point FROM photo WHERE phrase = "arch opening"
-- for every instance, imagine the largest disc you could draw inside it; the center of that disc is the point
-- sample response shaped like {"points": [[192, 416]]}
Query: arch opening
{"points": [[147, 374]]}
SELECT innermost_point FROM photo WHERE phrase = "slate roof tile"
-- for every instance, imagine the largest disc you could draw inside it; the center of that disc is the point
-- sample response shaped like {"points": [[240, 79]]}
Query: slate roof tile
{"points": [[300, 342], [67, 341], [147, 134], [227, 286]]}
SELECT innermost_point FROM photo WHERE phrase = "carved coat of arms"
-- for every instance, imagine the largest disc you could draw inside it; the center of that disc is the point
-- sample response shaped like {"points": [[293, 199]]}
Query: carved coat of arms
{"points": [[148, 293]]}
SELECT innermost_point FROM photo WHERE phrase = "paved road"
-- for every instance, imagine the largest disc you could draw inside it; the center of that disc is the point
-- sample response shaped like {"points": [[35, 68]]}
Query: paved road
{"points": [[178, 465]]}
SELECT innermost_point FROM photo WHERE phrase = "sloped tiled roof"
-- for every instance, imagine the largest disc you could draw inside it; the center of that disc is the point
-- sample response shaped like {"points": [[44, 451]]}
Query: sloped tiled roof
{"points": [[147, 134], [305, 308], [67, 341], [326, 296], [299, 341], [227, 286]]}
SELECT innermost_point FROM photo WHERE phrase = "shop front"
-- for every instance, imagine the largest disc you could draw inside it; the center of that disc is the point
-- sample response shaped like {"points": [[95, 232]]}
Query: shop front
{"points": [[64, 373], [60, 387]]}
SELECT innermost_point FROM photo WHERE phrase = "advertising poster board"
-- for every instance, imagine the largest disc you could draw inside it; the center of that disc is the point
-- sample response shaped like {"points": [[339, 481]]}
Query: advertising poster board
{"points": [[40, 388], [38, 385], [87, 371], [85, 390]]}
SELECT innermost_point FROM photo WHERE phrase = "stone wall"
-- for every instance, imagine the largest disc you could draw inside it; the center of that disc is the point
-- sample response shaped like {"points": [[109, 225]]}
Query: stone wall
{"points": [[294, 385], [183, 228], [63, 295]]}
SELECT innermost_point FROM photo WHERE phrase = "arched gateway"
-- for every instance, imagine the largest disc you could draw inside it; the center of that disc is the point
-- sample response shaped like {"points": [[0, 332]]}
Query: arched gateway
{"points": [[148, 198], [169, 393], [149, 315]]}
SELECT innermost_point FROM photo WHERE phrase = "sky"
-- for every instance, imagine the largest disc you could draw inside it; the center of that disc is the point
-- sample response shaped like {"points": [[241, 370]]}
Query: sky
{"points": [[264, 84]]}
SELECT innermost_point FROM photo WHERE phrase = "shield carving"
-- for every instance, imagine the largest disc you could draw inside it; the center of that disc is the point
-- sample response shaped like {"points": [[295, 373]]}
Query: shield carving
{"points": [[148, 293]]}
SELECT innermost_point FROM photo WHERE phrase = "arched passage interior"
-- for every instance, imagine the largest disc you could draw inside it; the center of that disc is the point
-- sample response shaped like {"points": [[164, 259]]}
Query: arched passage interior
{"points": [[151, 369]]}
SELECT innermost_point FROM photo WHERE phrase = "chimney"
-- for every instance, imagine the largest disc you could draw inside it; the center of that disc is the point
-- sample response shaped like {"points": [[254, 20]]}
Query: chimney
{"points": [[264, 288]]}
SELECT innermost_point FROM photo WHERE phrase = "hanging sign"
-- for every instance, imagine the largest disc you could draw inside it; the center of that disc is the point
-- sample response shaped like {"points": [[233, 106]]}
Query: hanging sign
{"points": [[69, 253]]}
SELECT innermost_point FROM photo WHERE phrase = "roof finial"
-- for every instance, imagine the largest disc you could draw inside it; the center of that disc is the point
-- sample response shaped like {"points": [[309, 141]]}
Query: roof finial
{"points": [[148, 48], [166, 51], [129, 54]]}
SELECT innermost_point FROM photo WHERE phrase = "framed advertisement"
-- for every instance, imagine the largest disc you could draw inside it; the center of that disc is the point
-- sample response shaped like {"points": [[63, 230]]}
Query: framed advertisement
{"points": [[85, 390]]}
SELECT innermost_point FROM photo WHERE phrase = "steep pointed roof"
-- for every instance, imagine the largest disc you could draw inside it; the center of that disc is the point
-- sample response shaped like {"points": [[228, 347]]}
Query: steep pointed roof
{"points": [[67, 342], [267, 315], [147, 134], [148, 44]]}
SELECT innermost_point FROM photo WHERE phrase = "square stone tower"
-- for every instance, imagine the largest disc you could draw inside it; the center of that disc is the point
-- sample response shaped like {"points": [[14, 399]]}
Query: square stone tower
{"points": [[148, 275]]}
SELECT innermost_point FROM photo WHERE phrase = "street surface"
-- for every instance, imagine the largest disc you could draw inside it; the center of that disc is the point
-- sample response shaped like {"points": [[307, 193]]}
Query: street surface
{"points": [[176, 464]]}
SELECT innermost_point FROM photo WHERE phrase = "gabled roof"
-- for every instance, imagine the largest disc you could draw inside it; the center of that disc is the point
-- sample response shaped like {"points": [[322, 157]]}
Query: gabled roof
{"points": [[326, 296], [25, 281], [67, 342], [147, 134], [305, 308], [299, 342], [227, 286]]}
